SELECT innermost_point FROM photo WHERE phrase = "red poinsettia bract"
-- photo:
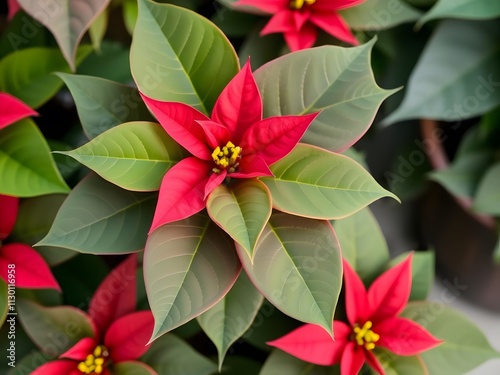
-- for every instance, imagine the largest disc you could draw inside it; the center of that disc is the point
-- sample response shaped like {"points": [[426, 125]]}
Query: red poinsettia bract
{"points": [[14, 7], [31, 270], [12, 110], [373, 322], [120, 334], [236, 142], [298, 20]]}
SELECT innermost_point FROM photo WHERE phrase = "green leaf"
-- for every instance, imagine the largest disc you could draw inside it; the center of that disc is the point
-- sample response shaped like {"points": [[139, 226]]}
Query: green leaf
{"points": [[363, 244], [464, 347], [67, 20], [462, 177], [455, 77], [132, 368], [130, 13], [30, 362], [487, 198], [316, 183], [98, 29], [4, 306], [422, 271], [241, 211], [186, 58], [27, 168], [100, 218], [27, 74], [496, 251], [104, 104], [134, 155], [33, 222], [335, 80], [229, 319], [469, 9], [280, 363], [169, 355], [379, 14], [112, 62], [64, 325], [397, 365], [189, 266], [297, 266]]}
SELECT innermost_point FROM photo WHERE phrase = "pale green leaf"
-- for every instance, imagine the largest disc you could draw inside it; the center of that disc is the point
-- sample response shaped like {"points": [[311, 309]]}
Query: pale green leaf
{"points": [[132, 368], [130, 12], [363, 244], [242, 210], [229, 319], [335, 80], [169, 355], [297, 266], [27, 168], [456, 76], [189, 266], [487, 197], [67, 20], [98, 29], [316, 183], [27, 73], [103, 104], [66, 323], [134, 155], [186, 58], [100, 218], [397, 365], [379, 14], [469, 9], [465, 346]]}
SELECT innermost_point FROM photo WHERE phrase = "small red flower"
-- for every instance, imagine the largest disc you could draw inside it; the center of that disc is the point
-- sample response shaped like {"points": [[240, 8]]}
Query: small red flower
{"points": [[120, 334], [298, 20], [373, 322], [234, 143], [31, 270]]}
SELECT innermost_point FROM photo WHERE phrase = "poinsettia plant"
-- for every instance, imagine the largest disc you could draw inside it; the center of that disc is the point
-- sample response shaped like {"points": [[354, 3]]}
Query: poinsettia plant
{"points": [[214, 143]]}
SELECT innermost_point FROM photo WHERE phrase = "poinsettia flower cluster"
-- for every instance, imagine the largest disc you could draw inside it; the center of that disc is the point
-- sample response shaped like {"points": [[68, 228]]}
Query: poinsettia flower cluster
{"points": [[236, 142], [299, 20], [120, 334], [373, 322]]}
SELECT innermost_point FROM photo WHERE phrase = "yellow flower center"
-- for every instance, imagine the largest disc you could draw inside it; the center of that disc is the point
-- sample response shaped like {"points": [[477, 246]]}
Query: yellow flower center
{"points": [[227, 157], [299, 4], [95, 363], [364, 336]]}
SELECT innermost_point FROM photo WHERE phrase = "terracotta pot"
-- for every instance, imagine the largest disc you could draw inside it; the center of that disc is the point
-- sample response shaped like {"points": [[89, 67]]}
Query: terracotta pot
{"points": [[463, 240]]}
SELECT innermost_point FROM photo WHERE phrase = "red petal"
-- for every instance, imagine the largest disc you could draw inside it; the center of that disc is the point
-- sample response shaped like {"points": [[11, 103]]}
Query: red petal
{"points": [[273, 138], [8, 213], [389, 293], [12, 110], [81, 349], [404, 337], [179, 121], [334, 25], [356, 299], [60, 367], [116, 295], [302, 39], [31, 269], [126, 339], [239, 105], [333, 5], [215, 133], [14, 7], [312, 343], [281, 22], [352, 360], [252, 166], [182, 191], [214, 181], [268, 6], [374, 362]]}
